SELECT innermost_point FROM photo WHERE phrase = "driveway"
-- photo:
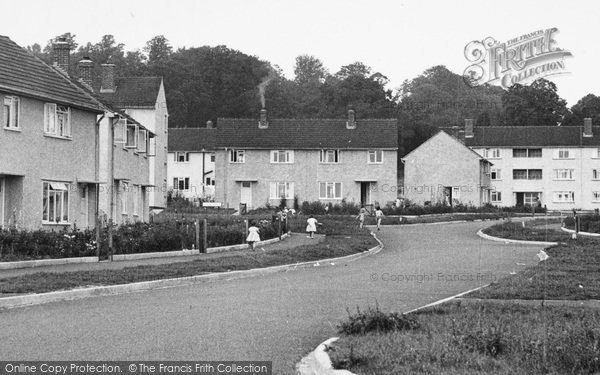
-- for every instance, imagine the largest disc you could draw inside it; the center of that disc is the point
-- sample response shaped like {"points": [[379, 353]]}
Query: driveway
{"points": [[276, 317]]}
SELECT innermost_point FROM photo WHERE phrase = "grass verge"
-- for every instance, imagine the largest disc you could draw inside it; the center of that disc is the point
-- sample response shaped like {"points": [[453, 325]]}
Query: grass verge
{"points": [[333, 246], [534, 230], [457, 338]]}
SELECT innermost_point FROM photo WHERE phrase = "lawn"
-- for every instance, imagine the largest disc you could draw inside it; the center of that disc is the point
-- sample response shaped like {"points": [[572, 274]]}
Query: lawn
{"points": [[331, 247], [532, 230], [457, 338]]}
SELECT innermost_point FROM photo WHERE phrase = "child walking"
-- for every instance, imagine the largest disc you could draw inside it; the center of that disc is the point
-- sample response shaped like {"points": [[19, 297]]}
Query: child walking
{"points": [[378, 215], [252, 235], [311, 226], [361, 217]]}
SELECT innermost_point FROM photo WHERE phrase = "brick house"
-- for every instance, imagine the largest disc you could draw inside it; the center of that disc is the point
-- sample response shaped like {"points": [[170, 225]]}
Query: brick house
{"points": [[48, 168], [191, 162], [444, 170], [259, 161]]}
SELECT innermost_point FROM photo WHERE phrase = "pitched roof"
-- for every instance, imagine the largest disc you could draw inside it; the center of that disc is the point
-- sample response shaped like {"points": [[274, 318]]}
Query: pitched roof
{"points": [[532, 136], [22, 73], [307, 134], [192, 139], [134, 92], [458, 142]]}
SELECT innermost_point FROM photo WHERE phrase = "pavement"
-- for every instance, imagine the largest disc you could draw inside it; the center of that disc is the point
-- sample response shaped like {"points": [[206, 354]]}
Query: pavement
{"points": [[278, 317], [291, 242]]}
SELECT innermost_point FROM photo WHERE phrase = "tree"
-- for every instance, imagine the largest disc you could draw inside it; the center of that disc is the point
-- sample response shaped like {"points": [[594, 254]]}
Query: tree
{"points": [[537, 104], [588, 106], [309, 69], [158, 49]]}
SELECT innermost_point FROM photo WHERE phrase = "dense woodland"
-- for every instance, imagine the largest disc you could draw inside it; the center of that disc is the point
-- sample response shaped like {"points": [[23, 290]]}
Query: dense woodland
{"points": [[204, 83]]}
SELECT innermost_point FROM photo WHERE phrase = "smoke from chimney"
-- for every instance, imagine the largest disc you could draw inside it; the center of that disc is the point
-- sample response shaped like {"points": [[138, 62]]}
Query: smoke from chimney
{"points": [[262, 86]]}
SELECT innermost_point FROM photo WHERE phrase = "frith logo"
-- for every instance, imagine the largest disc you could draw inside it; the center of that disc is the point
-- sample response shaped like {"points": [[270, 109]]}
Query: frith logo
{"points": [[520, 60]]}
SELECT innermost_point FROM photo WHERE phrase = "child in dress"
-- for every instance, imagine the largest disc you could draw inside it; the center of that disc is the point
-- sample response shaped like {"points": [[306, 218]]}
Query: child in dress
{"points": [[252, 235], [311, 225], [361, 217], [378, 215]]}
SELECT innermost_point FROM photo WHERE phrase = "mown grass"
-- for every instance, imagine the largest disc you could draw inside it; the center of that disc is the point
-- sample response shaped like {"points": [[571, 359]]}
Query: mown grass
{"points": [[331, 247], [571, 272], [533, 230], [481, 338]]}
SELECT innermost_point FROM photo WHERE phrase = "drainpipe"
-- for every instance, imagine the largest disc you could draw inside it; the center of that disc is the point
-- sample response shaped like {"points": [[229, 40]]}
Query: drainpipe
{"points": [[111, 182], [97, 178], [225, 162]]}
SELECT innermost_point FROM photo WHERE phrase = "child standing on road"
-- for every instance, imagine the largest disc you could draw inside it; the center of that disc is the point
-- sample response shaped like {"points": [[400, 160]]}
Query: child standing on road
{"points": [[378, 215], [361, 217], [311, 226], [252, 235]]}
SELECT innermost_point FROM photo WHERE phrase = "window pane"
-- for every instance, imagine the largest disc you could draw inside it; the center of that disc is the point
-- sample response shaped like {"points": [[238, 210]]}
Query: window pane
{"points": [[519, 153], [45, 202], [65, 207], [338, 190], [520, 174], [322, 190], [535, 152], [535, 174]]}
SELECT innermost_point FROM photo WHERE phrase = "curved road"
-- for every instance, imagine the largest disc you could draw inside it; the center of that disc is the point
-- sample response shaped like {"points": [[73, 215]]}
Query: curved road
{"points": [[277, 317]]}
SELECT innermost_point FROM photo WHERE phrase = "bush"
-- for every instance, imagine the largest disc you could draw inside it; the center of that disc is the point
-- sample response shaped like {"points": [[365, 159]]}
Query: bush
{"points": [[374, 320]]}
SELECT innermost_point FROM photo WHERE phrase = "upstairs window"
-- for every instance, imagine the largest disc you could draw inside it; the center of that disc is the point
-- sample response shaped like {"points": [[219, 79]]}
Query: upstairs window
{"points": [[375, 156], [142, 141], [496, 174], [182, 157], [527, 152], [11, 112], [237, 156], [330, 156], [527, 174], [563, 154], [282, 156], [131, 136], [57, 120], [563, 174]]}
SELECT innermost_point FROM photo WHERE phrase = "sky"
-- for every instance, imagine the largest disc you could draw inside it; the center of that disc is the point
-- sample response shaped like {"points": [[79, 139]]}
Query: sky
{"points": [[400, 39]]}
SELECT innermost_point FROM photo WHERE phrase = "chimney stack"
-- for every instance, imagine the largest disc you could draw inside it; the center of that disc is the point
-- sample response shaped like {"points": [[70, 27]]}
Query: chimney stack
{"points": [[469, 128], [587, 127], [86, 68], [351, 123], [108, 78], [61, 51], [209, 124], [263, 123]]}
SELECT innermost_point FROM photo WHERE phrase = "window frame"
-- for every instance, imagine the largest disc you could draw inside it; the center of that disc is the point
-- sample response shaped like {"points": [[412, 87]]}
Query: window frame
{"points": [[276, 156], [556, 195], [330, 186], [275, 188], [372, 156], [53, 114], [325, 153], [497, 172], [498, 196], [47, 189], [177, 181], [237, 156], [556, 174], [13, 114], [185, 156], [563, 154]]}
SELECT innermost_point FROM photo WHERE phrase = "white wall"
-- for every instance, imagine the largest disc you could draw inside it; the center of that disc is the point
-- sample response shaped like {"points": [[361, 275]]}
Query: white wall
{"points": [[193, 170]]}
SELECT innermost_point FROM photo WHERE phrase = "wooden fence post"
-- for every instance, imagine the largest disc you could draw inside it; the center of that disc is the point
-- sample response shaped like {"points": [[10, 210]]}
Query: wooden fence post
{"points": [[204, 235], [197, 239]]}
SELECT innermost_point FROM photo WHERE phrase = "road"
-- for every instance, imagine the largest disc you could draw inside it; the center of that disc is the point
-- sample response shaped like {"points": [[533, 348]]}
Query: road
{"points": [[276, 317]]}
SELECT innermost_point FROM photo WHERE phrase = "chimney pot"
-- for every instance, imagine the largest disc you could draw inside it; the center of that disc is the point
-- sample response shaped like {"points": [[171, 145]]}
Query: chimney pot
{"points": [[61, 51], [108, 78], [587, 127], [209, 124], [351, 123], [469, 128], [263, 123]]}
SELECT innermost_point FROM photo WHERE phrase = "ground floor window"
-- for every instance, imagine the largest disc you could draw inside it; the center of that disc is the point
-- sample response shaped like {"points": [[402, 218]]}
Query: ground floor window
{"points": [[563, 196], [56, 202], [279, 190], [181, 183], [330, 190], [596, 196], [496, 196]]}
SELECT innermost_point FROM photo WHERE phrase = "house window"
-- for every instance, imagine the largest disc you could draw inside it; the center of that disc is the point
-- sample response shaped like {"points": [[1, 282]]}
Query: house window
{"points": [[531, 198], [563, 154], [491, 153], [375, 156], [237, 156], [131, 136], [563, 174], [527, 174], [596, 153], [563, 196], [595, 196], [595, 174], [496, 174], [212, 158], [496, 153], [330, 156], [142, 140], [210, 181], [124, 196], [181, 183], [282, 156], [279, 190], [57, 120], [496, 196], [56, 203], [182, 157], [527, 152], [455, 192], [11, 112], [330, 190]]}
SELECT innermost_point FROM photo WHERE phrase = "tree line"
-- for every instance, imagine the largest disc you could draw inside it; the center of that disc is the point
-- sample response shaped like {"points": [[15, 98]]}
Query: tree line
{"points": [[204, 83]]}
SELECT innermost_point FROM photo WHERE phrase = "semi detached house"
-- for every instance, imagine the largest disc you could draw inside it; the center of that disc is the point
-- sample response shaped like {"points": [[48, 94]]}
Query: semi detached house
{"points": [[263, 160], [48, 174]]}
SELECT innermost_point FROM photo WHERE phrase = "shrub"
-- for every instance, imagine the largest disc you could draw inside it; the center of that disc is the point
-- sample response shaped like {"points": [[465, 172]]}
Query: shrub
{"points": [[376, 320]]}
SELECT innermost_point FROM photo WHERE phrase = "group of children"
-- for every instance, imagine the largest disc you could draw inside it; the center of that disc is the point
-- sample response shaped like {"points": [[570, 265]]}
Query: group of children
{"points": [[311, 225]]}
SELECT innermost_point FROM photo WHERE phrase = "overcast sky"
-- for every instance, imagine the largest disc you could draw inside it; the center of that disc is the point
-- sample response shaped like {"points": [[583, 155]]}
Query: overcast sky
{"points": [[397, 38]]}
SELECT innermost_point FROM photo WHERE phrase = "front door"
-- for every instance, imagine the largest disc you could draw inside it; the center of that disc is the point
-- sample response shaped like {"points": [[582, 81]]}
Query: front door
{"points": [[365, 193], [520, 199], [246, 194], [1, 202]]}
